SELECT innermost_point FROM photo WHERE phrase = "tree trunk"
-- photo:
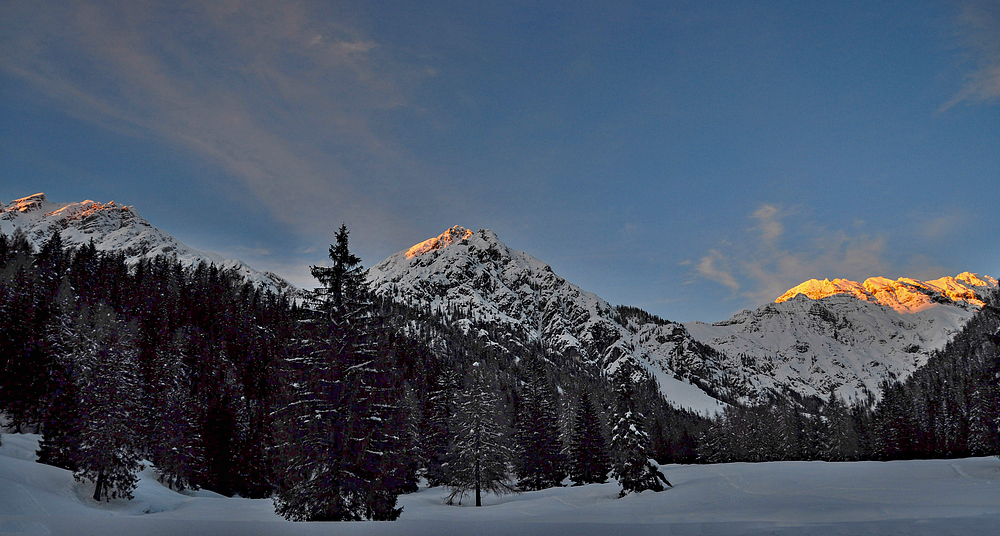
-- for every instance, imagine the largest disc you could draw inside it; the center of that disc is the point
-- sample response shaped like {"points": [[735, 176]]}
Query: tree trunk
{"points": [[100, 484], [479, 500]]}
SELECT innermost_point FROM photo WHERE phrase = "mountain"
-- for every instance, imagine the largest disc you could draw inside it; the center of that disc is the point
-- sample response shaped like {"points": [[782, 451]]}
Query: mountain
{"points": [[480, 281], [845, 336], [904, 295], [114, 227], [820, 336]]}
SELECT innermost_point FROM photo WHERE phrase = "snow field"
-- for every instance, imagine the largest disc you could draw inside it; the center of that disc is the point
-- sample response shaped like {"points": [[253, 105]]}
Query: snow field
{"points": [[932, 497]]}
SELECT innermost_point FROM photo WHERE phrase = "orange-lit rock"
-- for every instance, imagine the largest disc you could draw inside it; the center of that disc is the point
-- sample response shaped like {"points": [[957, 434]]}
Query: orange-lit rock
{"points": [[446, 238], [905, 295]]}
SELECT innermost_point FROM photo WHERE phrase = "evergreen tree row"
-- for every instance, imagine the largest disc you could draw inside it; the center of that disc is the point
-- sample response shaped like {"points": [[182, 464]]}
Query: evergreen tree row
{"points": [[113, 364], [948, 408], [332, 408]]}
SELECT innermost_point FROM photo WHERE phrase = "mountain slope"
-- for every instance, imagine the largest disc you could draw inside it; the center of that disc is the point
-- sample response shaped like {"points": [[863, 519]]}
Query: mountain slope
{"points": [[477, 278], [846, 337], [114, 227], [821, 336]]}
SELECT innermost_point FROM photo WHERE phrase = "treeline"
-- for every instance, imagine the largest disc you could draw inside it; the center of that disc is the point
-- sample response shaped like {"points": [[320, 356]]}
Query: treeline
{"points": [[335, 406], [114, 363], [948, 408], [332, 407]]}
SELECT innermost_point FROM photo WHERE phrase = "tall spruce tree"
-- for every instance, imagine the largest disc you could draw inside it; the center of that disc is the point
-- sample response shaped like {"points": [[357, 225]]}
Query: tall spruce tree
{"points": [[174, 444], [588, 456], [629, 442], [481, 459], [23, 359], [437, 425], [60, 442], [338, 439], [540, 461], [103, 349]]}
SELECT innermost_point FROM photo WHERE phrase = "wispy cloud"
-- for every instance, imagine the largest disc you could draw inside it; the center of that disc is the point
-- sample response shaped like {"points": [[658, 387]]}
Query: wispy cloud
{"points": [[708, 267], [942, 225], [280, 94], [769, 224], [978, 30], [766, 262]]}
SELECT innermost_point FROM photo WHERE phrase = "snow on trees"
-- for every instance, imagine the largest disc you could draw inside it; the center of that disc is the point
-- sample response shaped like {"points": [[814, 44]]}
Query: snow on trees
{"points": [[174, 445], [630, 464], [102, 354], [540, 462], [338, 435], [436, 426], [480, 457]]}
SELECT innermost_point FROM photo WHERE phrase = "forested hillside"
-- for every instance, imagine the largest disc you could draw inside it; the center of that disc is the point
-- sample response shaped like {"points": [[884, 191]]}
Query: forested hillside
{"points": [[332, 406]]}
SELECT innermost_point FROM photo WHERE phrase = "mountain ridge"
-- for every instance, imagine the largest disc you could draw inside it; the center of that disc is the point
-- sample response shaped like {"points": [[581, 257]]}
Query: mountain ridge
{"points": [[115, 227], [834, 343], [481, 279], [905, 295]]}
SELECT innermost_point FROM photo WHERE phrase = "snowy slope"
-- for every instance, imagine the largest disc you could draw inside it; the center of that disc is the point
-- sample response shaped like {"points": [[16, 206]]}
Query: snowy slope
{"points": [[114, 227], [819, 337], [844, 336], [478, 277], [928, 497]]}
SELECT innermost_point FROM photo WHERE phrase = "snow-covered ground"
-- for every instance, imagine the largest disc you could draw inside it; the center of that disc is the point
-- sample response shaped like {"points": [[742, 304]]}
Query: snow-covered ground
{"points": [[960, 497]]}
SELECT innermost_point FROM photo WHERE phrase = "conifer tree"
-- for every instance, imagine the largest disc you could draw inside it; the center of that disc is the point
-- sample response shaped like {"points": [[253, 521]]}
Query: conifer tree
{"points": [[338, 436], [4, 249], [629, 442], [481, 459], [984, 415], [60, 442], [23, 362], [840, 441], [104, 350], [540, 462], [175, 446], [436, 426], [588, 457]]}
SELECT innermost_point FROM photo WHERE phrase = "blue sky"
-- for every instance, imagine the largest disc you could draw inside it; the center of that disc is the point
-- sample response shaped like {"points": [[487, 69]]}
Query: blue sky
{"points": [[689, 158]]}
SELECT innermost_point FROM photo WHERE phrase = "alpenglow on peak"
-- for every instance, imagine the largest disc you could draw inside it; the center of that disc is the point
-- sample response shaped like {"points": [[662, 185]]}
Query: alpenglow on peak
{"points": [[905, 295], [445, 239]]}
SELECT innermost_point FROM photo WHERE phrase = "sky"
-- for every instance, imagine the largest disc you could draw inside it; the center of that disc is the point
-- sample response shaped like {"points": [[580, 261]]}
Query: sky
{"points": [[689, 158]]}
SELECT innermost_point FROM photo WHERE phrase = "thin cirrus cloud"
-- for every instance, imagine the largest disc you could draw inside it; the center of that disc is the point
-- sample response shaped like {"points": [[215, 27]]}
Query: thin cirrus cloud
{"points": [[280, 98], [708, 267], [978, 32]]}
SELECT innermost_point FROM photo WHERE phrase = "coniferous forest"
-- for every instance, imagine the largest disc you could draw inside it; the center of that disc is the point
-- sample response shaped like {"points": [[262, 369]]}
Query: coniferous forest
{"points": [[335, 403]]}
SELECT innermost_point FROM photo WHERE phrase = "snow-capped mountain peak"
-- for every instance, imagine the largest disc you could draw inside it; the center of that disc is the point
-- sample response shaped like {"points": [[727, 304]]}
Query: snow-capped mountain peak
{"points": [[905, 295], [514, 299], [821, 336], [845, 336], [114, 227], [25, 204], [445, 239]]}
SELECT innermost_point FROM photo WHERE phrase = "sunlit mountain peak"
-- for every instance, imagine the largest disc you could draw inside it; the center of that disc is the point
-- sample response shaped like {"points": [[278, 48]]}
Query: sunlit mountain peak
{"points": [[445, 239], [904, 295], [26, 204]]}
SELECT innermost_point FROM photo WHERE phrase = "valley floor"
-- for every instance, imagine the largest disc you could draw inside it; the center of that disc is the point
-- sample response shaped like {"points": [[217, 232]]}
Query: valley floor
{"points": [[933, 497]]}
